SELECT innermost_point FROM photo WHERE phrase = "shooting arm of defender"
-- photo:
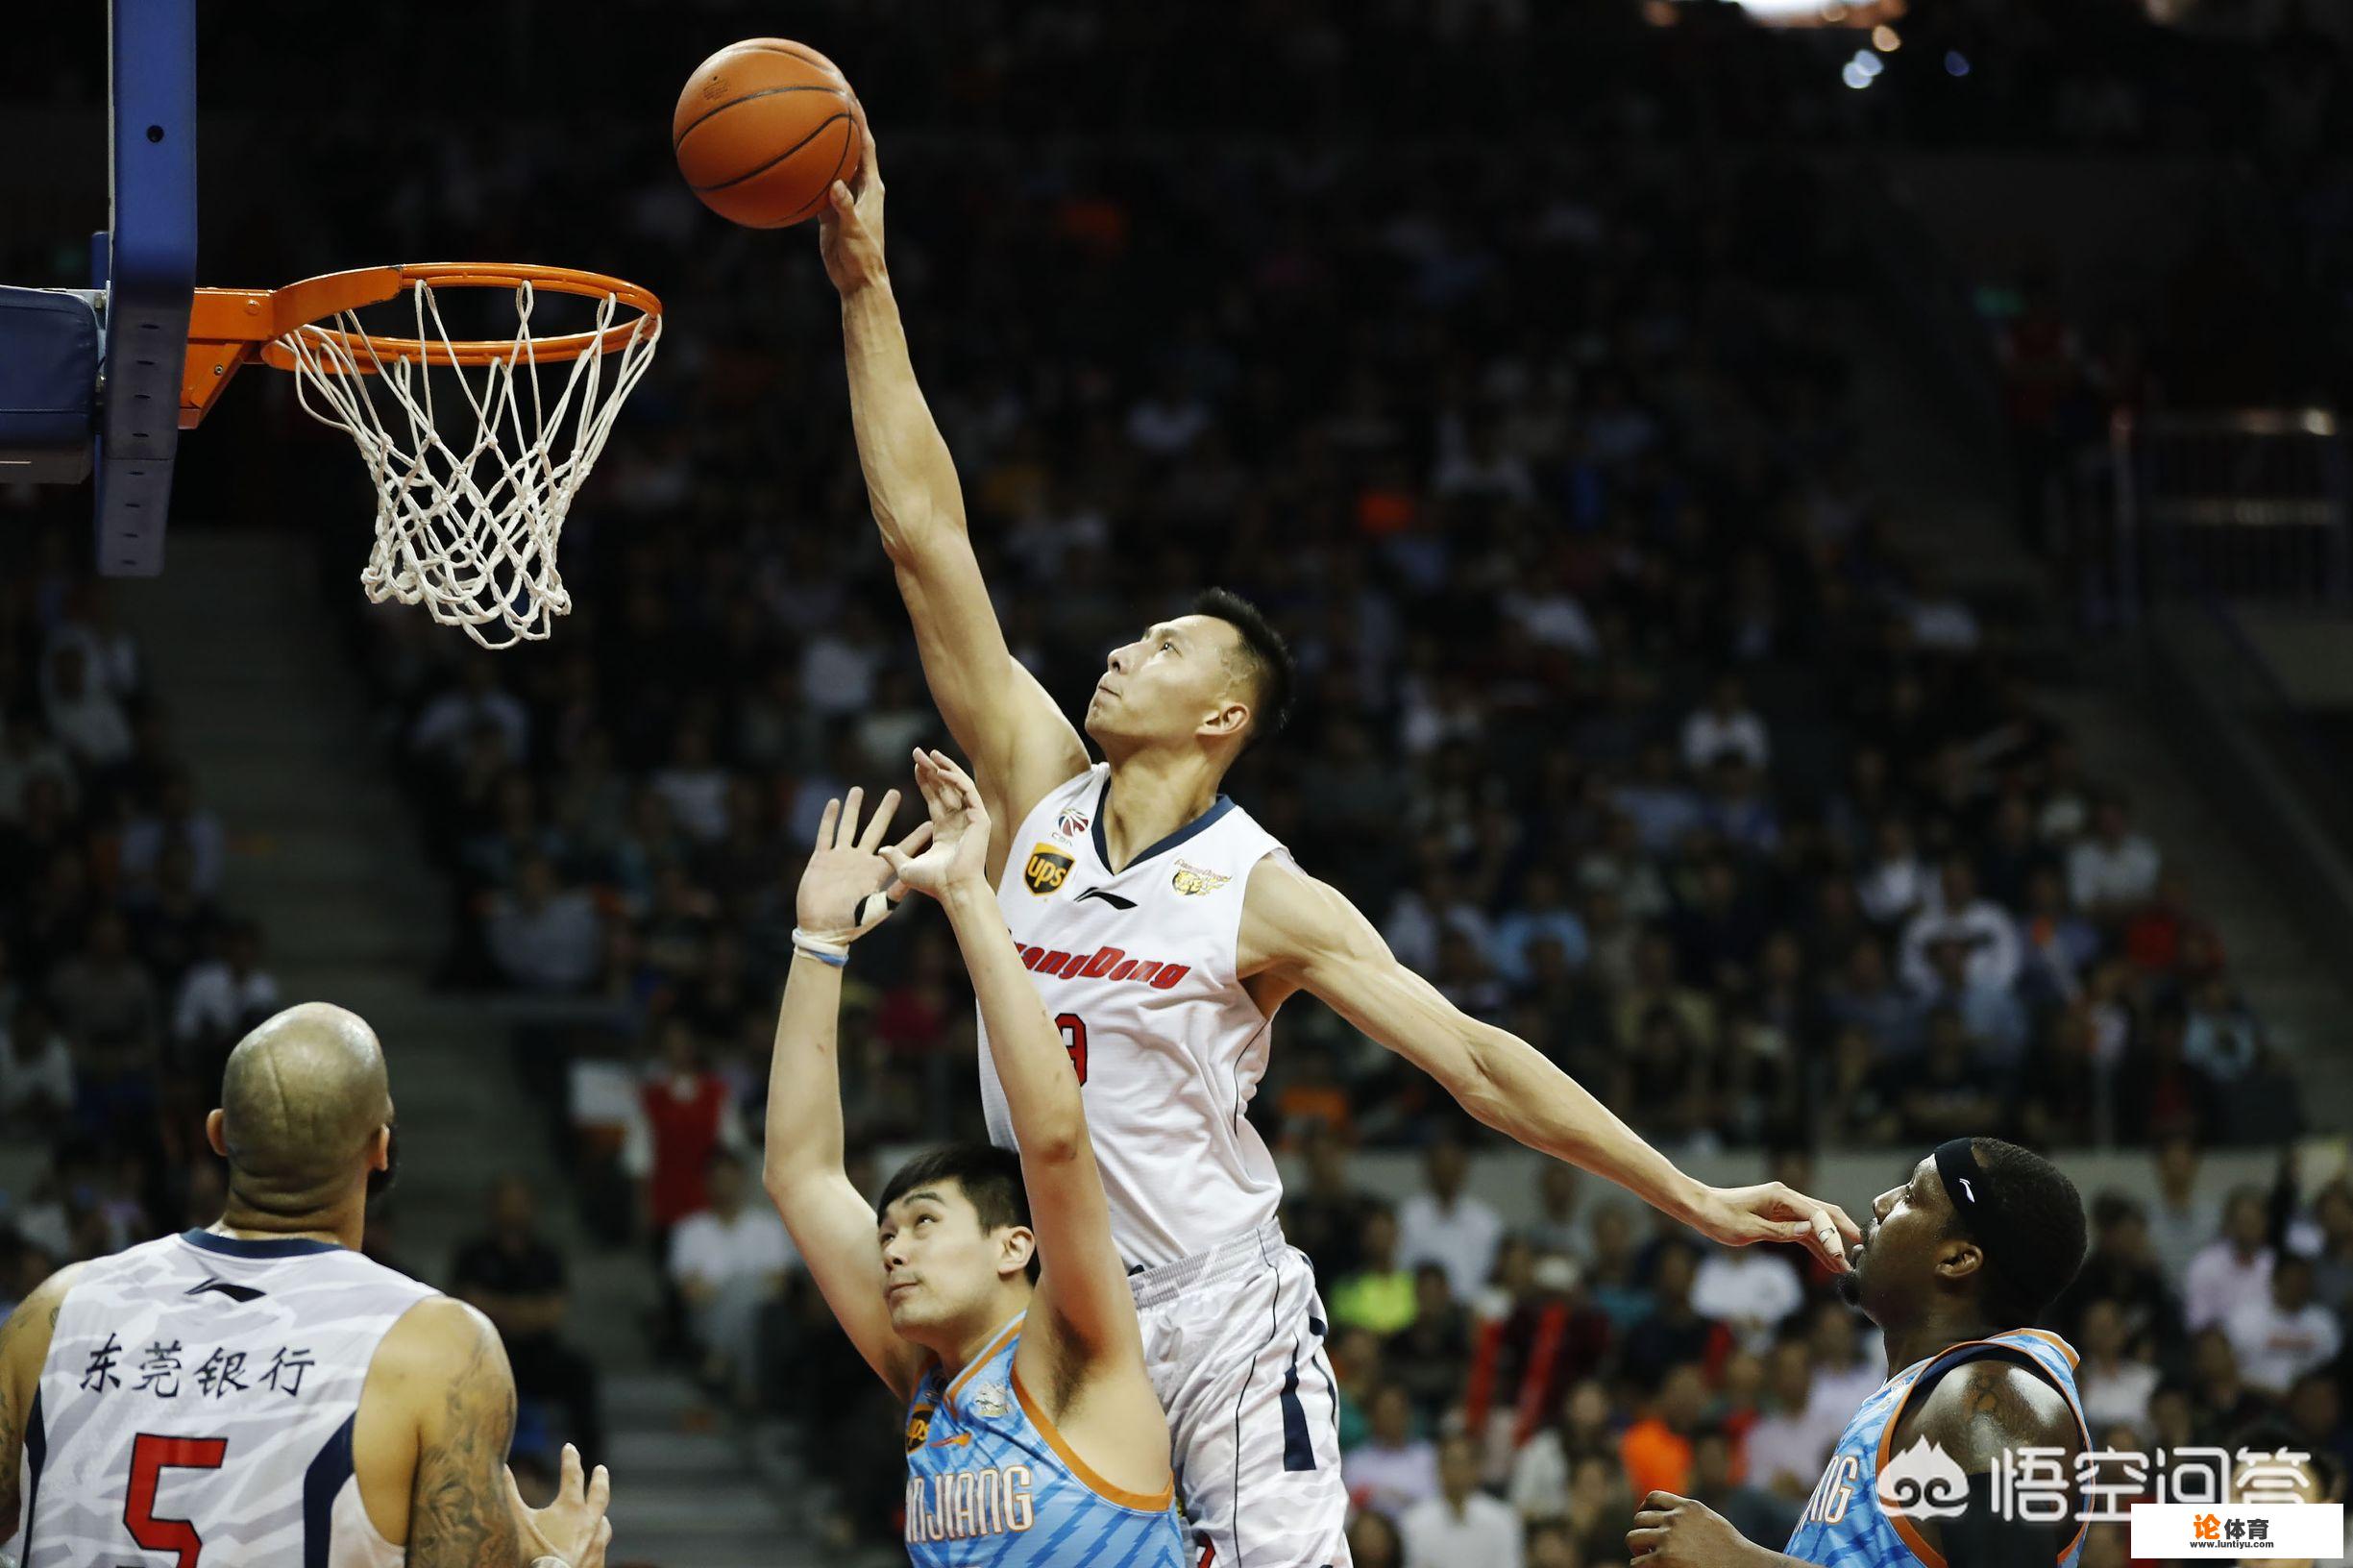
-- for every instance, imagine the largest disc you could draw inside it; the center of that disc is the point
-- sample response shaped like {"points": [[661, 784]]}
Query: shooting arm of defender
{"points": [[803, 1170], [1019, 743], [1303, 933], [1082, 1283], [443, 1367]]}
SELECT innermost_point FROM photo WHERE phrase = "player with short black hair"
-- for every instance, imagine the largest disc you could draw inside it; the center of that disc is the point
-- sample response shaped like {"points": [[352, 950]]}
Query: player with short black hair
{"points": [[1164, 928], [982, 1287], [1955, 1267], [988, 1177]]}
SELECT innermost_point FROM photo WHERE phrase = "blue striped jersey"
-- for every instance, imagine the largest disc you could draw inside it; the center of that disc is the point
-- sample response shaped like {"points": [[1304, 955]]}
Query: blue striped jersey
{"points": [[1846, 1525], [992, 1484]]}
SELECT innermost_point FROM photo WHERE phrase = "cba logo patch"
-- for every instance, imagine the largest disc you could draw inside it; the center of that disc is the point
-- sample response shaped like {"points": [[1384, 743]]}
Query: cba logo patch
{"points": [[1192, 881], [919, 1427], [1070, 823], [1046, 869]]}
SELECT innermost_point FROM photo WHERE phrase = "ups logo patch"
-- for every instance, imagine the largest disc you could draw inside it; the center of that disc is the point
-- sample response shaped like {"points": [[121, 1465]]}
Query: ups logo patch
{"points": [[1047, 868], [919, 1427]]}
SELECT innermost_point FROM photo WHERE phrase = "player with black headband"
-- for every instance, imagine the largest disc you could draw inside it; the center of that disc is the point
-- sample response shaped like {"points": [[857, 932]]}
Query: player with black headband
{"points": [[1955, 1265]]}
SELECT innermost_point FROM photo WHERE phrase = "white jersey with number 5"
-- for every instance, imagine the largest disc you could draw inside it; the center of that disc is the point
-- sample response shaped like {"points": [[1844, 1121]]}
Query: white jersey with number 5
{"points": [[1138, 969], [197, 1408]]}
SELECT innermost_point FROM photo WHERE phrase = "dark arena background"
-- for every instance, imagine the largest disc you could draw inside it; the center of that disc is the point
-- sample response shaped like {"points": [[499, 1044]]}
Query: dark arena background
{"points": [[1817, 542]]}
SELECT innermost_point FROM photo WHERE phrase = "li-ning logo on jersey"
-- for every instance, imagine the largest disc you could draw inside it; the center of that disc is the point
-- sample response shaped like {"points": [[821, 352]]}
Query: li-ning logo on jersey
{"points": [[1103, 964], [1924, 1481], [1046, 869], [1192, 881]]}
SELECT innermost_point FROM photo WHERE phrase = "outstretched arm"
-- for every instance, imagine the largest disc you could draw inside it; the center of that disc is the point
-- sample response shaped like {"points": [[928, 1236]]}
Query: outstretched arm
{"points": [[1019, 743], [1299, 934], [803, 1170], [1082, 1283]]}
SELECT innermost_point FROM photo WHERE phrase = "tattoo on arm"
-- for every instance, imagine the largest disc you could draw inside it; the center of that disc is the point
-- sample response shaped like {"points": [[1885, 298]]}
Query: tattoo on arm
{"points": [[458, 1517], [16, 1332], [1992, 1407]]}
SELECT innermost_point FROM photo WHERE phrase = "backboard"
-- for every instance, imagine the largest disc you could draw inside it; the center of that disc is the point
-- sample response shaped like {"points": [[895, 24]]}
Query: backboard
{"points": [[90, 380]]}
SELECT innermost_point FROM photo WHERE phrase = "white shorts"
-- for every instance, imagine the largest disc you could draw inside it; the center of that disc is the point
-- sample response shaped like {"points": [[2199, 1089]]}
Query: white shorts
{"points": [[1233, 1338]]}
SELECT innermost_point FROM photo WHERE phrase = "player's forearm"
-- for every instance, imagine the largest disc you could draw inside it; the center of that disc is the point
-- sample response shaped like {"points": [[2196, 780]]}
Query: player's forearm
{"points": [[804, 1080], [1512, 1088], [910, 473], [1041, 1093]]}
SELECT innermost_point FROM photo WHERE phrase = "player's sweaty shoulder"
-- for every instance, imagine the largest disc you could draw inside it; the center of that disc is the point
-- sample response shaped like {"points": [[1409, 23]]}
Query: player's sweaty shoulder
{"points": [[25, 1332], [1291, 919], [438, 1383], [1983, 1407], [431, 1350]]}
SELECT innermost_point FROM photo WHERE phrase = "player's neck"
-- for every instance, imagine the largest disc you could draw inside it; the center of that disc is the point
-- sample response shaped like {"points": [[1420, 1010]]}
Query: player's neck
{"points": [[1933, 1333], [972, 1338], [342, 1225], [1152, 794]]}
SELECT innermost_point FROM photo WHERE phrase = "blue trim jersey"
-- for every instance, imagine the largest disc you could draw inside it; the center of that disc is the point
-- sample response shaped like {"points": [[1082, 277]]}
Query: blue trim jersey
{"points": [[992, 1484], [1846, 1526]]}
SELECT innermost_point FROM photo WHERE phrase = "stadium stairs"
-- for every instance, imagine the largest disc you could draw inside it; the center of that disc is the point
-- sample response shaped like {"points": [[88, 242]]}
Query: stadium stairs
{"points": [[1953, 510], [325, 855]]}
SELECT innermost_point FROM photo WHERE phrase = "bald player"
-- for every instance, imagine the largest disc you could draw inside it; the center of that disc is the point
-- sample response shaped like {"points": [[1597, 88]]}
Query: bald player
{"points": [[257, 1393]]}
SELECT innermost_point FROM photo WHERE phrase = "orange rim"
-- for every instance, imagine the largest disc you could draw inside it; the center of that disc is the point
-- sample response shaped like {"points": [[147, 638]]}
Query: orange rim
{"points": [[229, 328]]}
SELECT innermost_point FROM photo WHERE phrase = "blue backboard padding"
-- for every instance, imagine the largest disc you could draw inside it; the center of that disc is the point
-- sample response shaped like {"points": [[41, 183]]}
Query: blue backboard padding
{"points": [[48, 370], [149, 262]]}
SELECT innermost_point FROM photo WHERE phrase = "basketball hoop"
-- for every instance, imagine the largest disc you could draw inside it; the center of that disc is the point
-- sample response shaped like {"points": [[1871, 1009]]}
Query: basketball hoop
{"points": [[467, 519]]}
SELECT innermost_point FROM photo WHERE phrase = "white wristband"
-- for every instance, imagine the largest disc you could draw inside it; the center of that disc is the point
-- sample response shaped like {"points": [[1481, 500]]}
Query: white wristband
{"points": [[827, 951]]}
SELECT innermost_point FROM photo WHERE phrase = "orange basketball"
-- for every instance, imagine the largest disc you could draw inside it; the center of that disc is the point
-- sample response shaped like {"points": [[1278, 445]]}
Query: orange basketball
{"points": [[764, 129]]}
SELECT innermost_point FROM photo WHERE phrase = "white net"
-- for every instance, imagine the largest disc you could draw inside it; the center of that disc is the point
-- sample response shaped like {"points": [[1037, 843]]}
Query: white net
{"points": [[472, 492]]}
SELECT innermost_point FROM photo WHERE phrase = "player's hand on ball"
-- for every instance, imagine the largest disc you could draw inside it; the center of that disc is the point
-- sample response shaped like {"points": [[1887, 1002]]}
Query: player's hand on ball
{"points": [[850, 227], [1672, 1532], [849, 888], [1771, 1212], [959, 852], [574, 1526]]}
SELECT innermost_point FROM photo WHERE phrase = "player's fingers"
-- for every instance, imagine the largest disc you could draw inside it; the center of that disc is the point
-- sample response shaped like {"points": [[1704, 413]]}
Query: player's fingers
{"points": [[914, 842], [571, 1481], [514, 1497], [825, 825], [844, 204], [1846, 1227], [850, 807], [880, 824], [600, 1489]]}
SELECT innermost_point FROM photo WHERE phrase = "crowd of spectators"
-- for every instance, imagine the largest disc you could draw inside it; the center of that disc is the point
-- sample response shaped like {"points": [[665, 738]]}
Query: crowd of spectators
{"points": [[124, 979], [1625, 716], [1506, 1396]]}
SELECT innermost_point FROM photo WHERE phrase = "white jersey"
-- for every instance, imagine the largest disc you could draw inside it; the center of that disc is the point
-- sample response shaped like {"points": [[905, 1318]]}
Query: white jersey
{"points": [[197, 1404], [1137, 968]]}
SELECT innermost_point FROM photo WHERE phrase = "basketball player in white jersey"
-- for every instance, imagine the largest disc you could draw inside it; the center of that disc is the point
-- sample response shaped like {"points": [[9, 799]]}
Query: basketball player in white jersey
{"points": [[260, 1395], [1163, 928]]}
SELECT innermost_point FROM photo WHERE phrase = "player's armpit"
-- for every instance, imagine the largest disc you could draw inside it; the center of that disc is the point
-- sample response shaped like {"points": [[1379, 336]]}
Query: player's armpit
{"points": [[452, 1375], [24, 1346]]}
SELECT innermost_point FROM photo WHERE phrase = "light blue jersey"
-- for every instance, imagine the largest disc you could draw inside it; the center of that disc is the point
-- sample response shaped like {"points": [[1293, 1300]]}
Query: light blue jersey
{"points": [[992, 1484], [1845, 1525]]}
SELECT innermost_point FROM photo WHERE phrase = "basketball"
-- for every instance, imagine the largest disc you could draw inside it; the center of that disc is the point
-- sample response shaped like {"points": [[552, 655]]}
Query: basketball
{"points": [[762, 130]]}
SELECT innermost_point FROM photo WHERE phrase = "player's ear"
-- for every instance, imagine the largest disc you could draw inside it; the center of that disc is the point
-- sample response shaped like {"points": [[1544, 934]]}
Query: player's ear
{"points": [[1230, 719], [1960, 1258], [1018, 1245], [216, 1132]]}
